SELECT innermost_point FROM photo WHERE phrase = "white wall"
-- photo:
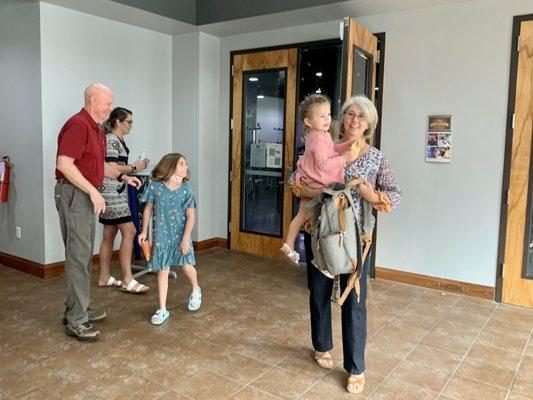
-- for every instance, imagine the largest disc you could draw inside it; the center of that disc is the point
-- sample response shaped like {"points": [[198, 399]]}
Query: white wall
{"points": [[195, 114], [211, 154], [20, 129], [78, 49], [450, 59], [186, 103]]}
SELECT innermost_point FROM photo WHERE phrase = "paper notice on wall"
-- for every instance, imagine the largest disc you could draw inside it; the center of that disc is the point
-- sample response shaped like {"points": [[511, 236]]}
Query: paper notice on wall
{"points": [[2, 170]]}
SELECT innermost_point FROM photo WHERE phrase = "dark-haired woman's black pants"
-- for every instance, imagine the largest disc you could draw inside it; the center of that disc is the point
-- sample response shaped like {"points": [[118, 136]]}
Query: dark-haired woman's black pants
{"points": [[353, 314]]}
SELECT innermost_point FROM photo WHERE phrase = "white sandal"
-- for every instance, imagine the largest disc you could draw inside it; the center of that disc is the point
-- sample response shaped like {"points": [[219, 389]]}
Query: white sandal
{"points": [[112, 282], [195, 300], [290, 254], [134, 287]]}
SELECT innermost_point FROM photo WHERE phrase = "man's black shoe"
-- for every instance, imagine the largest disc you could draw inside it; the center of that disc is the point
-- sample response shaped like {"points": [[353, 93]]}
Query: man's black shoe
{"points": [[83, 331]]}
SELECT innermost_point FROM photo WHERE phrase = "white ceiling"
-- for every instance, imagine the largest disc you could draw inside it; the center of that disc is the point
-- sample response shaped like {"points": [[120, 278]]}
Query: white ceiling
{"points": [[330, 12]]}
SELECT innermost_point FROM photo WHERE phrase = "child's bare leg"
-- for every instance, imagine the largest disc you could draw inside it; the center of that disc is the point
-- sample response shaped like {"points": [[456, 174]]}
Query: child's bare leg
{"points": [[190, 273], [162, 287], [296, 225], [195, 299]]}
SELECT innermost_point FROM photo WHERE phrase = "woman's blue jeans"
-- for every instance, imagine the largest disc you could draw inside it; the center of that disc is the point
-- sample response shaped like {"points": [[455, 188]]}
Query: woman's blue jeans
{"points": [[353, 314]]}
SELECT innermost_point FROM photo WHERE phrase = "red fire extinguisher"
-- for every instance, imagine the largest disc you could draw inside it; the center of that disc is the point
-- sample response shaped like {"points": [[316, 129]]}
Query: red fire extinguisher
{"points": [[5, 171]]}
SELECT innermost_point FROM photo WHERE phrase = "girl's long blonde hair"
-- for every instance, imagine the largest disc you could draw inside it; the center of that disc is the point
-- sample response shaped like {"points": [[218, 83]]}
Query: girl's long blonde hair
{"points": [[166, 167]]}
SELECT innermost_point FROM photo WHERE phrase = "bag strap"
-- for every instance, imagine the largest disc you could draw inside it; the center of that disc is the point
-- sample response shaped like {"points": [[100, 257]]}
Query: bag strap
{"points": [[368, 221]]}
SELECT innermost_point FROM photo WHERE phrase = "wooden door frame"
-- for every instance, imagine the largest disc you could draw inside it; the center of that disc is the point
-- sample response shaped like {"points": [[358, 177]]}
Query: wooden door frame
{"points": [[299, 46], [508, 153]]}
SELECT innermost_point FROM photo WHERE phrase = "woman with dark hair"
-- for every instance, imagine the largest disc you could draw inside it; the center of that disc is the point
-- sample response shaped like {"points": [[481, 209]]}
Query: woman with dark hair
{"points": [[378, 186], [117, 216]]}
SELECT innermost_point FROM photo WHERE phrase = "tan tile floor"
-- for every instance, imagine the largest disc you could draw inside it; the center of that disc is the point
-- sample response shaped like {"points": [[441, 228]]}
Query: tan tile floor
{"points": [[251, 340]]}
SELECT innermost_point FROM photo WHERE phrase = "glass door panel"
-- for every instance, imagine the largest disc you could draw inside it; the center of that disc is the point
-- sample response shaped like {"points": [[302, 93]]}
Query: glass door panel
{"points": [[362, 73], [263, 141]]}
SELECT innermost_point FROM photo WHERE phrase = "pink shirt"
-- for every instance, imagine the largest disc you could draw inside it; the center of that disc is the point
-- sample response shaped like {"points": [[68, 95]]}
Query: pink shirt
{"points": [[321, 165]]}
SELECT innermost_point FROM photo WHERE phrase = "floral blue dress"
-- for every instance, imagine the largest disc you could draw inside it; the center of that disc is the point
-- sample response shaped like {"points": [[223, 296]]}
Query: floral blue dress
{"points": [[168, 223]]}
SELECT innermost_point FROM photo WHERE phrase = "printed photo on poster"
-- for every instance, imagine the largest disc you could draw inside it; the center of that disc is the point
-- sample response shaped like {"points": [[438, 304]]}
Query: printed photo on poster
{"points": [[439, 147], [439, 123], [433, 139]]}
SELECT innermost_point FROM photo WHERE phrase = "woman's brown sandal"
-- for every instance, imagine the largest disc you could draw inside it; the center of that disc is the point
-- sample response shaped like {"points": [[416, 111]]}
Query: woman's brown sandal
{"points": [[324, 359], [356, 383]]}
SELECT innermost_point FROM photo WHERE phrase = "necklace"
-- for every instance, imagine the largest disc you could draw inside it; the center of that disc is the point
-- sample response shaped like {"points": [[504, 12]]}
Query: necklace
{"points": [[175, 179]]}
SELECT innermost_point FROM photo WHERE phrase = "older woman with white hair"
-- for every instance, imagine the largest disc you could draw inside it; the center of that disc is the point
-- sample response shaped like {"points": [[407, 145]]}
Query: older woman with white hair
{"points": [[359, 118]]}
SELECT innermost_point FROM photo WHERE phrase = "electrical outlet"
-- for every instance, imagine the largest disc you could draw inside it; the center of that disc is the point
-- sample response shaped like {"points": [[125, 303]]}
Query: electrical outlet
{"points": [[19, 232]]}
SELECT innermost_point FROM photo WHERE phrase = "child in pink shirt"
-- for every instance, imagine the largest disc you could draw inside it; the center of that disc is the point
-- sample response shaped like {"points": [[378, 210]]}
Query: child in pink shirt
{"points": [[320, 165]]}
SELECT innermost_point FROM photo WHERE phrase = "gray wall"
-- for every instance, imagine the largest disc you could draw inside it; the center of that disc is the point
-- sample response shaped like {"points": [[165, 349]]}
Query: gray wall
{"points": [[21, 128], [211, 11]]}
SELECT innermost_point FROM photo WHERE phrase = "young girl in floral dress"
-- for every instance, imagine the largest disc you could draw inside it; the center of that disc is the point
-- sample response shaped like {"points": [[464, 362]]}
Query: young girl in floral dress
{"points": [[170, 199]]}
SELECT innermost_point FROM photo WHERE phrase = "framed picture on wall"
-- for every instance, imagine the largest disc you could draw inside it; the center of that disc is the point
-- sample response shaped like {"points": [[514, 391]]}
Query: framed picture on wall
{"points": [[439, 147], [439, 123]]}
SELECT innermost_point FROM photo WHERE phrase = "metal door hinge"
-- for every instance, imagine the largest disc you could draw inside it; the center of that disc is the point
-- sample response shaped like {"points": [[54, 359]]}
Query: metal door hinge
{"points": [[378, 56], [231, 123], [229, 227], [512, 121], [503, 270], [518, 44], [232, 70], [508, 196]]}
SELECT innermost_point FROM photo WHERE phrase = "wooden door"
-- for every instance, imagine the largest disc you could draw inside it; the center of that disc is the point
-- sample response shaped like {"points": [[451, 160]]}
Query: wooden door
{"points": [[360, 55], [263, 124], [517, 274]]}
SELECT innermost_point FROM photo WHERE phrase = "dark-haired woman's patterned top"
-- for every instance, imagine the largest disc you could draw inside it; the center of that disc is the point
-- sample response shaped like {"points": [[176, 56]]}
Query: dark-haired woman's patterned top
{"points": [[117, 210]]}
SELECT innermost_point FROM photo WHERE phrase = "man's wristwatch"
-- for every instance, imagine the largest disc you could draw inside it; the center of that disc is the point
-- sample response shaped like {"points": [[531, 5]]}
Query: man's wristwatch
{"points": [[133, 167], [119, 177]]}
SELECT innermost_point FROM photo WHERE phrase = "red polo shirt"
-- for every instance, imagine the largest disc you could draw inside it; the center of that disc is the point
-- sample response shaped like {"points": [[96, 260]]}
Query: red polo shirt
{"points": [[82, 138]]}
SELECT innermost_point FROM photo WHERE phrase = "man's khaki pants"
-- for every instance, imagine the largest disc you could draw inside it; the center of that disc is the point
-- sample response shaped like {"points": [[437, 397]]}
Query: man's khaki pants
{"points": [[77, 221]]}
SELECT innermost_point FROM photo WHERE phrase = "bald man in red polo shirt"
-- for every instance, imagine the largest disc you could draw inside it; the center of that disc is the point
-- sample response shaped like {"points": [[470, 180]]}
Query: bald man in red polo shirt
{"points": [[80, 170]]}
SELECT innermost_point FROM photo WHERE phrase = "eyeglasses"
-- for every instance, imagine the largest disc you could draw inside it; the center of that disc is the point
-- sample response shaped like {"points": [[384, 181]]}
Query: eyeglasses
{"points": [[129, 122], [351, 115]]}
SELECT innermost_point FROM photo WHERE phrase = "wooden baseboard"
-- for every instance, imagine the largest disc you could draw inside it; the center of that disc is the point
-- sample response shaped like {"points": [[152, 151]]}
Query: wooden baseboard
{"points": [[38, 269], [448, 285], [58, 268], [210, 243]]}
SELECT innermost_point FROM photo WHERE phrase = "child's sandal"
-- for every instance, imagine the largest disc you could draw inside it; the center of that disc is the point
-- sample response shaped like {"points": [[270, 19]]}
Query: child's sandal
{"points": [[159, 317], [290, 254], [195, 300], [323, 359], [355, 383]]}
